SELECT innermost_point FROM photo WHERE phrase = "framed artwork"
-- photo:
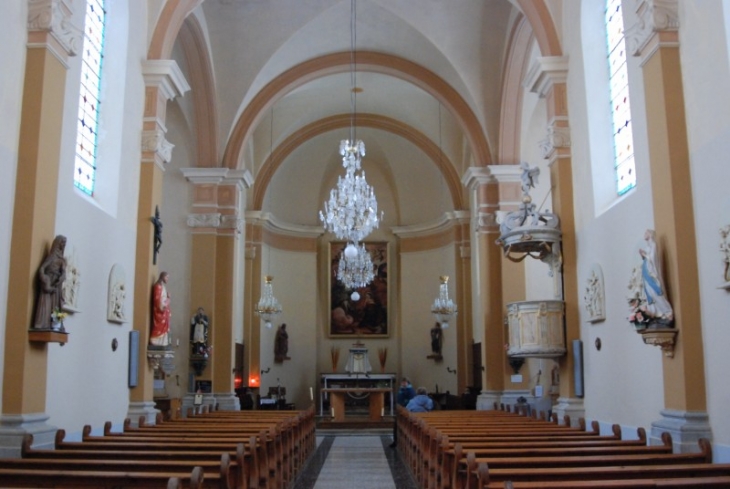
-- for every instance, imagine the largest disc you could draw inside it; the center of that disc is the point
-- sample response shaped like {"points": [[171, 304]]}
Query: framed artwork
{"points": [[368, 315]]}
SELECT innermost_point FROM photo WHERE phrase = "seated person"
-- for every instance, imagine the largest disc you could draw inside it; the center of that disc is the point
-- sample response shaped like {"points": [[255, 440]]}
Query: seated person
{"points": [[421, 403]]}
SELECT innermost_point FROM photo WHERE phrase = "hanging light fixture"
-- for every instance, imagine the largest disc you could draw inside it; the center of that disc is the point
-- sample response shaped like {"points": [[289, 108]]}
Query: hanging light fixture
{"points": [[268, 308], [356, 268], [352, 210], [443, 308]]}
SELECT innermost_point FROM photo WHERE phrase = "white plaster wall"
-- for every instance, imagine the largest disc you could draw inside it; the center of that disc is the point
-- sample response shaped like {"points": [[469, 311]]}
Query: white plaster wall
{"points": [[87, 381], [294, 286], [623, 381], [12, 62], [421, 271], [706, 75]]}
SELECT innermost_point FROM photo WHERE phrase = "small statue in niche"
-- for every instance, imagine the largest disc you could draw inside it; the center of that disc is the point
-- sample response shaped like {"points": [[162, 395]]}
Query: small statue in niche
{"points": [[281, 344], [199, 333], [51, 276], [437, 341]]}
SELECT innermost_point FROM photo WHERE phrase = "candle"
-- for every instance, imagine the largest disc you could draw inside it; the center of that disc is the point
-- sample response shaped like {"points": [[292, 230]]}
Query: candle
{"points": [[382, 412], [333, 412], [311, 394]]}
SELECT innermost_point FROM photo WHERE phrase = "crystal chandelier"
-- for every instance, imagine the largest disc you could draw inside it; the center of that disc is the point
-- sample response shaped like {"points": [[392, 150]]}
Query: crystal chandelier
{"points": [[268, 307], [356, 268], [443, 308], [352, 210]]}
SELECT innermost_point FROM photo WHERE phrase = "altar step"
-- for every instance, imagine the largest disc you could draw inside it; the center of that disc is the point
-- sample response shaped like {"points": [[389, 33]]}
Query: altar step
{"points": [[359, 424]]}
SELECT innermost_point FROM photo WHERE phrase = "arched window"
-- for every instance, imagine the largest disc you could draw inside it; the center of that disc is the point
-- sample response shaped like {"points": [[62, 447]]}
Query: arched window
{"points": [[623, 138], [88, 121]]}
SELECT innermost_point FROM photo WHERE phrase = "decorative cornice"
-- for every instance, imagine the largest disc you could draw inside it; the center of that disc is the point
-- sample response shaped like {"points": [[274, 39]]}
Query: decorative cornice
{"points": [[557, 137], [443, 223], [477, 175], [165, 74], [153, 141], [545, 72], [232, 222], [269, 222], [211, 220], [654, 16], [218, 176], [54, 17]]}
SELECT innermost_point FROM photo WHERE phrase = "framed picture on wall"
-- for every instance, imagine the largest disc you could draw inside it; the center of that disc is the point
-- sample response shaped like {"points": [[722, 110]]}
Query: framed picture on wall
{"points": [[366, 315]]}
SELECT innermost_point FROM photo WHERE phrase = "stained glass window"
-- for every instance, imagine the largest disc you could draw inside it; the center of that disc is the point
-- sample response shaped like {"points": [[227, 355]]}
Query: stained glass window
{"points": [[623, 138], [88, 120]]}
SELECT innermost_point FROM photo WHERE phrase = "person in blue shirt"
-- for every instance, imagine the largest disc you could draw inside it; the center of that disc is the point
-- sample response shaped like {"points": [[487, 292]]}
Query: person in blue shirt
{"points": [[421, 403], [405, 394]]}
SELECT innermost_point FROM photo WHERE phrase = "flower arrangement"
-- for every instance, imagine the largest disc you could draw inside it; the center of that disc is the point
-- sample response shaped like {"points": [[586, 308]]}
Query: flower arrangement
{"points": [[382, 357], [57, 317], [638, 316], [203, 350], [335, 357]]}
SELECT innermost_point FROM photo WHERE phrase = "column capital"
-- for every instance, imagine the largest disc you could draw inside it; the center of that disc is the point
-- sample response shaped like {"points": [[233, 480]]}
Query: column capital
{"points": [[218, 176], [49, 26], [166, 76], [155, 147], [657, 25], [558, 138], [545, 73]]}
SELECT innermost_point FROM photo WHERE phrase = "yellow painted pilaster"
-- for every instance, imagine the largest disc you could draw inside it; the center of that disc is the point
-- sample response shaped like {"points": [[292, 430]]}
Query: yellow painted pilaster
{"points": [[674, 223]]}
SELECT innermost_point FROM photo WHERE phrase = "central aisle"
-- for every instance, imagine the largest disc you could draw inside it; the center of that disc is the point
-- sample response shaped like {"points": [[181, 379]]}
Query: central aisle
{"points": [[355, 461]]}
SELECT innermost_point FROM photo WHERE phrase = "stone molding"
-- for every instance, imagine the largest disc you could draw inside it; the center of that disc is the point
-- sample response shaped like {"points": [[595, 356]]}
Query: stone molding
{"points": [[54, 17], [153, 141], [654, 16], [557, 137], [166, 76], [210, 220], [686, 428], [545, 73]]}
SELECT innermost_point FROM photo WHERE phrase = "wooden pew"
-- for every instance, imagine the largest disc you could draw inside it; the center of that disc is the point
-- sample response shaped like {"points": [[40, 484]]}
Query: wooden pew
{"points": [[17, 478]]}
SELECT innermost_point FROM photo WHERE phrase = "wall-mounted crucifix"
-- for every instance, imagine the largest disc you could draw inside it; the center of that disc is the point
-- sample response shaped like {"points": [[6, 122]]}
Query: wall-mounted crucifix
{"points": [[157, 223]]}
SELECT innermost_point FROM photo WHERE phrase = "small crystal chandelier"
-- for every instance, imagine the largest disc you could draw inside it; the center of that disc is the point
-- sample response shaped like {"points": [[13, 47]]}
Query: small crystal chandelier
{"points": [[356, 268], [443, 308], [268, 307]]}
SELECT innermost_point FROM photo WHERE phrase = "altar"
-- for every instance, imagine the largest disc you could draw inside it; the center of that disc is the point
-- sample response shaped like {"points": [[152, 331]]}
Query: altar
{"points": [[376, 397], [336, 388]]}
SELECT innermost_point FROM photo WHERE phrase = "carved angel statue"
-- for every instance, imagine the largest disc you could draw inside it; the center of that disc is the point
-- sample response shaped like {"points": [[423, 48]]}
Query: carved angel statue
{"points": [[529, 177]]}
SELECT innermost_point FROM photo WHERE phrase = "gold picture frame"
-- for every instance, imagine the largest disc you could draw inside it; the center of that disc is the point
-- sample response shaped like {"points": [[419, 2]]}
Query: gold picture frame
{"points": [[369, 315]]}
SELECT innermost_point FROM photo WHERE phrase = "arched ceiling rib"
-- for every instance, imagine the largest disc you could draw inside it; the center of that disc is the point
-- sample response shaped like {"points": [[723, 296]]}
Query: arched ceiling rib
{"points": [[367, 61], [281, 152]]}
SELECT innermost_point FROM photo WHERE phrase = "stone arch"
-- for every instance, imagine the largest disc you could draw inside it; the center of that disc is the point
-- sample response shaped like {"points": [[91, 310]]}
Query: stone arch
{"points": [[192, 41], [366, 61], [168, 26], [407, 132], [538, 15]]}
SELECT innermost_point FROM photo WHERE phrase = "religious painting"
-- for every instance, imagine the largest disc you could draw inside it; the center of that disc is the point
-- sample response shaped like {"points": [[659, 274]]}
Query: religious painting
{"points": [[360, 311]]}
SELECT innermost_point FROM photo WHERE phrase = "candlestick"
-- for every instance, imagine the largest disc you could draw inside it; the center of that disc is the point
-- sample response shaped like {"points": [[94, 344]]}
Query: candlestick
{"points": [[382, 412], [311, 394], [333, 412]]}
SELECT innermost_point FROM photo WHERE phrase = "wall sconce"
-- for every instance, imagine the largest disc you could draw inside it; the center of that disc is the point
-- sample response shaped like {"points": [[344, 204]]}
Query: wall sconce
{"points": [[448, 369], [265, 371]]}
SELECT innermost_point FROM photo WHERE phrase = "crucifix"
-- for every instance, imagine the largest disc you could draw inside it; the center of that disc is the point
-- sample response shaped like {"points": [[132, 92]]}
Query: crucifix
{"points": [[157, 223]]}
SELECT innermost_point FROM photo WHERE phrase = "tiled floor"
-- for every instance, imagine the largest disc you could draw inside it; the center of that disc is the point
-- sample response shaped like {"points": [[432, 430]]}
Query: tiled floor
{"points": [[357, 462]]}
